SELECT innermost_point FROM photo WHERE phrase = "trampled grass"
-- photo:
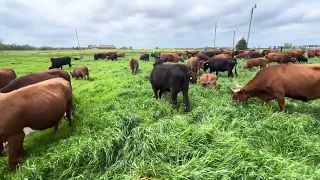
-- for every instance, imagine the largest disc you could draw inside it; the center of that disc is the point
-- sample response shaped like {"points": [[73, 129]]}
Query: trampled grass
{"points": [[121, 132]]}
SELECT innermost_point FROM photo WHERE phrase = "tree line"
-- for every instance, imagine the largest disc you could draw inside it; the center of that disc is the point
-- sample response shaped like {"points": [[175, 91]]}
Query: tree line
{"points": [[4, 46]]}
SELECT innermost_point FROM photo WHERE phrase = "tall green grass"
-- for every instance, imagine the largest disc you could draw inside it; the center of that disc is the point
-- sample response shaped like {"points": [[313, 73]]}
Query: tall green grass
{"points": [[121, 132]]}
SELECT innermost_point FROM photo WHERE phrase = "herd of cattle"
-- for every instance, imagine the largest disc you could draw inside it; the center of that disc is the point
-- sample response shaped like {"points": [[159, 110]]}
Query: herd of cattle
{"points": [[21, 106]]}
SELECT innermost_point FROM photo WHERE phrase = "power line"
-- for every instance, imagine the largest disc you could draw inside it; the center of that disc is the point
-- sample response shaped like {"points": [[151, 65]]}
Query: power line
{"points": [[215, 34]]}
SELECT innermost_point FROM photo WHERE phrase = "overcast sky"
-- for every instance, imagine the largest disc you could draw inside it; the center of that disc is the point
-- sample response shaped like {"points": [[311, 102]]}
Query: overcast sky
{"points": [[162, 23]]}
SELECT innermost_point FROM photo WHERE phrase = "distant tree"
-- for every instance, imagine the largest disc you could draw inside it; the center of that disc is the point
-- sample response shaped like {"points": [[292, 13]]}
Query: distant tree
{"points": [[157, 47], [242, 44], [287, 46], [130, 47], [123, 47]]}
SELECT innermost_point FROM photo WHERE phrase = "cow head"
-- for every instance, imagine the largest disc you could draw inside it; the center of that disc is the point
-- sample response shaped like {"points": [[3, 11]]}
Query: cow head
{"points": [[293, 59], [192, 77], [245, 66], [72, 74], [205, 65], [239, 94]]}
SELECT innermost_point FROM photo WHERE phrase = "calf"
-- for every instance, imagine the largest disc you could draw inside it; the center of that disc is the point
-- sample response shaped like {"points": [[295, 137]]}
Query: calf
{"points": [[144, 57], [6, 76], [59, 62], [38, 106], [221, 65], [209, 79], [134, 65], [256, 62], [113, 56], [80, 71], [296, 81], [173, 78], [34, 78], [298, 54]]}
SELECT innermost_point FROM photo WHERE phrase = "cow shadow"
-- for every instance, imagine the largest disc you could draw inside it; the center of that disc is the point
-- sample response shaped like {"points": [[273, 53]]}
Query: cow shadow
{"points": [[38, 143], [307, 109]]}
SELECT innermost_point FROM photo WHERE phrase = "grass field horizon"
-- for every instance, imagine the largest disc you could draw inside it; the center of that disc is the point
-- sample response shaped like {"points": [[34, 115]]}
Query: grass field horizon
{"points": [[121, 132]]}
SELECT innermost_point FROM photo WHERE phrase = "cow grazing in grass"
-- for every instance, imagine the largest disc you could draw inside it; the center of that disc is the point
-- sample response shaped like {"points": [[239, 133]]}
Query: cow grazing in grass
{"points": [[34, 78], [171, 57], [221, 65], [6, 76], [209, 79], [256, 62], [59, 62], [134, 65], [296, 81], [113, 56], [99, 56], [121, 54], [281, 58], [194, 65], [144, 57], [80, 72], [298, 54], [38, 106], [172, 78]]}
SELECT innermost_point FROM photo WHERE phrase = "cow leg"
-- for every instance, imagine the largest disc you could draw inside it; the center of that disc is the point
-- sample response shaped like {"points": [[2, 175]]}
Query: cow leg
{"points": [[68, 112], [155, 92], [160, 94], [69, 65], [1, 149], [186, 99], [15, 149], [174, 94], [281, 102]]}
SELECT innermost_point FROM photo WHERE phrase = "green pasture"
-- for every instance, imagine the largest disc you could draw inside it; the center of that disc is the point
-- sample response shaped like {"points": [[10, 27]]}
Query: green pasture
{"points": [[121, 132]]}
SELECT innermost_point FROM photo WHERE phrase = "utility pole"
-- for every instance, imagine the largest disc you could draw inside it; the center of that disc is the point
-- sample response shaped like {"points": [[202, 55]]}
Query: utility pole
{"points": [[77, 39], [234, 35], [215, 34], [255, 6]]}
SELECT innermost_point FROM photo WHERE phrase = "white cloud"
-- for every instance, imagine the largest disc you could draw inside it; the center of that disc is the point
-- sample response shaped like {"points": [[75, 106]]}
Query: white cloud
{"points": [[165, 23]]}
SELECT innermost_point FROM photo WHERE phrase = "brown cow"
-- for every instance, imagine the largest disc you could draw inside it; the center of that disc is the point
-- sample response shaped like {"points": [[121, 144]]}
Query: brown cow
{"points": [[209, 79], [203, 56], [249, 55], [313, 52], [230, 53], [6, 76], [179, 53], [266, 51], [134, 65], [38, 106], [194, 65], [120, 54], [298, 55], [80, 72], [171, 57], [280, 58], [296, 81], [220, 56], [35, 78], [255, 62]]}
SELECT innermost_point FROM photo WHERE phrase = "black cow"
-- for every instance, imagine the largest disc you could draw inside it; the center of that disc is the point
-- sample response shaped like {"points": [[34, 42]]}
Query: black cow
{"points": [[156, 55], [172, 78], [113, 56], [99, 56], [59, 62], [301, 58], [144, 57], [159, 61], [216, 65]]}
